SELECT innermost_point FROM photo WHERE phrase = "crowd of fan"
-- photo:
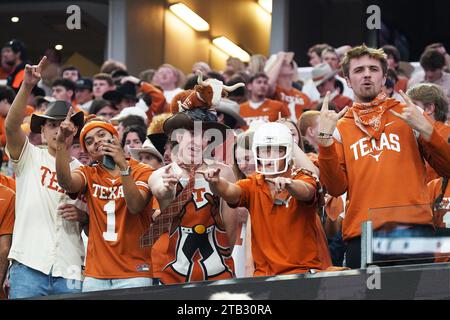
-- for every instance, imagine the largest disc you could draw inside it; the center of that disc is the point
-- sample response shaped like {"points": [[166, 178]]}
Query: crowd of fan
{"points": [[138, 105]]}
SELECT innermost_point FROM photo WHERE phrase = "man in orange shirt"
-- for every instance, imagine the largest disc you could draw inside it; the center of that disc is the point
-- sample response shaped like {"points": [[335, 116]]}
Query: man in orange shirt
{"points": [[7, 96], [15, 55], [324, 80], [432, 99], [117, 193], [373, 150], [281, 202], [201, 227], [258, 107], [281, 74], [8, 197]]}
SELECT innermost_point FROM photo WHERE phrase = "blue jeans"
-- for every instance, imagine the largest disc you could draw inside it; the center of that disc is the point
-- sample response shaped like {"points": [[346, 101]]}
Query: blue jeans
{"points": [[94, 284], [26, 282]]}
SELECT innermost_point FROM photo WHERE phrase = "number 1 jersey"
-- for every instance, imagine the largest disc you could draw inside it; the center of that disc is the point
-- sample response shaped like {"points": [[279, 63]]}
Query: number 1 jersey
{"points": [[114, 248]]}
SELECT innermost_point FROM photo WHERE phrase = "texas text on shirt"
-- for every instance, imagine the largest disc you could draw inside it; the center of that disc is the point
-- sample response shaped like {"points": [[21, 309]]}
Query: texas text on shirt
{"points": [[377, 169], [52, 244], [296, 101], [114, 248], [284, 237], [267, 111]]}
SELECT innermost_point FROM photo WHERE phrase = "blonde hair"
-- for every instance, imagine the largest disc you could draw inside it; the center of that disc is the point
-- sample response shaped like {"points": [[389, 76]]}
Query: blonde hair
{"points": [[256, 64], [428, 93], [363, 50], [156, 126], [306, 120]]}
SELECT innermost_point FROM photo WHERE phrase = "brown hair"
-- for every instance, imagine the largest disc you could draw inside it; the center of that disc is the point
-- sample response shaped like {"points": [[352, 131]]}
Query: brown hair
{"points": [[318, 48], [245, 141], [428, 93], [432, 60], [360, 51], [104, 76]]}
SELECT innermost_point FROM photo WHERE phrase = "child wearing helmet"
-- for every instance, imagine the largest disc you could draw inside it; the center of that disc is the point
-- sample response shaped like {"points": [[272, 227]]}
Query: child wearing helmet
{"points": [[282, 204]]}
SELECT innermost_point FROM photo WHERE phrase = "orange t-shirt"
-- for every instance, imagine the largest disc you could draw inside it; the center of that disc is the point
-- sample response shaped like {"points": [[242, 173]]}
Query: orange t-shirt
{"points": [[384, 179], [18, 79], [401, 84], [7, 210], [444, 131], [295, 100], [268, 111], [114, 248], [285, 240], [341, 101], [198, 247], [8, 182]]}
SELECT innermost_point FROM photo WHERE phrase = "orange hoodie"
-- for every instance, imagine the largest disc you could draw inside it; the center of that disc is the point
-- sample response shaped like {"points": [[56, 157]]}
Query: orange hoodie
{"points": [[387, 175]]}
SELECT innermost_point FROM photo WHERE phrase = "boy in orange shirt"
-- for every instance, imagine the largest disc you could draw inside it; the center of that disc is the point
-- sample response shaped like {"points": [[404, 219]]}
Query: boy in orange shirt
{"points": [[281, 202], [117, 195]]}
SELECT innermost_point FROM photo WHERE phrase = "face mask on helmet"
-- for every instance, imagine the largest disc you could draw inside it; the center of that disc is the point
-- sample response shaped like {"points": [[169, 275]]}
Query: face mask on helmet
{"points": [[272, 143]]}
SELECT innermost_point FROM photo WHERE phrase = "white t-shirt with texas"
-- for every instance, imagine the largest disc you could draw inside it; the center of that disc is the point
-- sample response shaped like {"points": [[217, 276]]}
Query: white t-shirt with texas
{"points": [[42, 239]]}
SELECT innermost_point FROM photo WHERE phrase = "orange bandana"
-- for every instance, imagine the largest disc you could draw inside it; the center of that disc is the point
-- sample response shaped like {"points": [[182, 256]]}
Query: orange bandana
{"points": [[96, 124], [369, 116]]}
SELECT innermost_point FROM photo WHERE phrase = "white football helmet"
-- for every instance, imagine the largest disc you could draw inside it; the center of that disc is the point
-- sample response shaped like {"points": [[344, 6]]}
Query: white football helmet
{"points": [[272, 134]]}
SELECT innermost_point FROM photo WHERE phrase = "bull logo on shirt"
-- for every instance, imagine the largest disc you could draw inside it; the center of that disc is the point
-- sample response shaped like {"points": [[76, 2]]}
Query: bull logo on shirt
{"points": [[198, 252], [375, 148]]}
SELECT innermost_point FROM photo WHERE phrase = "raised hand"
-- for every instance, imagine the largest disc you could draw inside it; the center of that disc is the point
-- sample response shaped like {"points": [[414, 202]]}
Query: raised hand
{"points": [[280, 183], [211, 175], [33, 73], [328, 121], [114, 149], [132, 79], [67, 130], [414, 117], [170, 179]]}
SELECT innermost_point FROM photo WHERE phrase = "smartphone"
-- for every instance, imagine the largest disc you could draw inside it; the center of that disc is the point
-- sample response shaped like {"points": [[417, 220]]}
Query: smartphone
{"points": [[108, 161]]}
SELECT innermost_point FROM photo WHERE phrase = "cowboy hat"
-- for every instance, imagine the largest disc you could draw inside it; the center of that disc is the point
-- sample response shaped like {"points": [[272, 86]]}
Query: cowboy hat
{"points": [[232, 109], [187, 118], [56, 110], [321, 73], [147, 146], [158, 140]]}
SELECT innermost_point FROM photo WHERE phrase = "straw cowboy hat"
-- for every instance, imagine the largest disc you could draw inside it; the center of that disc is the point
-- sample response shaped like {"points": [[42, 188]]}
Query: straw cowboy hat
{"points": [[321, 73], [147, 146]]}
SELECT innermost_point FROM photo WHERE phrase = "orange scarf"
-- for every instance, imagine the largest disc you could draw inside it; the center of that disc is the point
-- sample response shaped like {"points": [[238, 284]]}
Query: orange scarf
{"points": [[369, 116]]}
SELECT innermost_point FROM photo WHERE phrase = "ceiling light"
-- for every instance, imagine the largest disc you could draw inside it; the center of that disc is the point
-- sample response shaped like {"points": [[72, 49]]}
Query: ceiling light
{"points": [[266, 5], [58, 47], [14, 19], [189, 17], [230, 48]]}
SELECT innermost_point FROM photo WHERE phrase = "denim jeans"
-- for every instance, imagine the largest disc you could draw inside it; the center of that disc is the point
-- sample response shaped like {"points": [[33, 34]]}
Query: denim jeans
{"points": [[94, 284], [26, 282]]}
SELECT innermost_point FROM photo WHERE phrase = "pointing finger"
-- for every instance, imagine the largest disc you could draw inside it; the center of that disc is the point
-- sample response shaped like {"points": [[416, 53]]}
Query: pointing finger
{"points": [[69, 114], [342, 112], [325, 102], [397, 114], [43, 62]]}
